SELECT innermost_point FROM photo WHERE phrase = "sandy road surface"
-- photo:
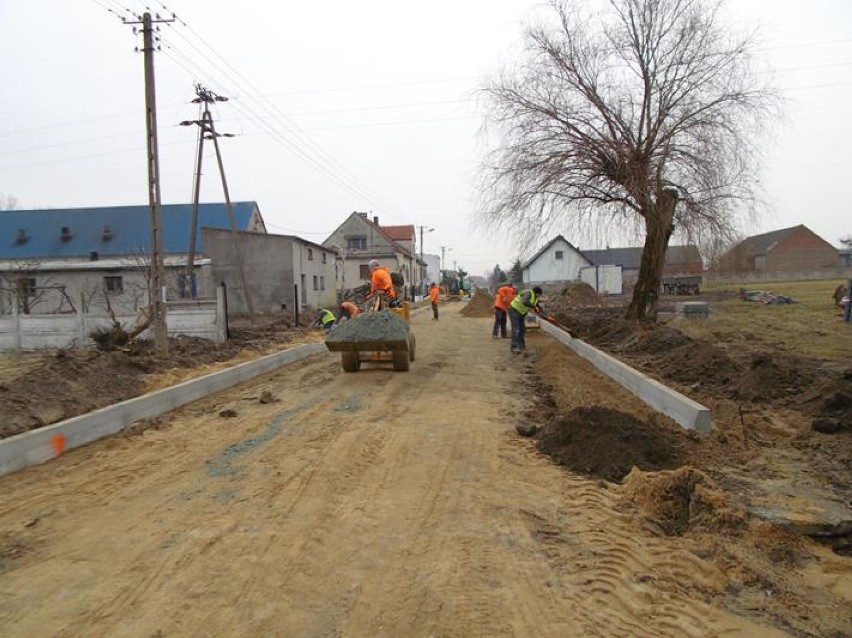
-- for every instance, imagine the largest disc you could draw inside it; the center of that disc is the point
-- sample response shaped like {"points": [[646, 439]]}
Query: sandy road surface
{"points": [[368, 504]]}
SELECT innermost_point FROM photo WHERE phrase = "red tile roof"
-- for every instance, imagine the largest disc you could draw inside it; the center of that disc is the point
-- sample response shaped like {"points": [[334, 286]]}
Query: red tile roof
{"points": [[399, 233]]}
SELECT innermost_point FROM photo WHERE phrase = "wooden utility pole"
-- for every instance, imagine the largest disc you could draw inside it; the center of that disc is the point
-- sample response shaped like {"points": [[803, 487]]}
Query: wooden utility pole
{"points": [[157, 305]]}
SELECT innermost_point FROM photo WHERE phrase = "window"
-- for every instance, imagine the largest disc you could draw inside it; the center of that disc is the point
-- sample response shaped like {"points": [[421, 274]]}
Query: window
{"points": [[324, 258], [316, 284], [310, 254], [322, 282], [356, 243], [113, 285], [364, 272], [560, 254]]}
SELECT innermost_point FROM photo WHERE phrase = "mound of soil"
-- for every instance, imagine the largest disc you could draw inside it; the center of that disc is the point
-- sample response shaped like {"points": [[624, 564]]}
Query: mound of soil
{"points": [[480, 305], [607, 443], [678, 500], [575, 295]]}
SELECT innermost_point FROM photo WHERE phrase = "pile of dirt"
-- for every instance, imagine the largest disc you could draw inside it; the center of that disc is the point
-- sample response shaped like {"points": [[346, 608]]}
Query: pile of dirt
{"points": [[606, 443], [678, 500], [574, 295], [480, 305]]}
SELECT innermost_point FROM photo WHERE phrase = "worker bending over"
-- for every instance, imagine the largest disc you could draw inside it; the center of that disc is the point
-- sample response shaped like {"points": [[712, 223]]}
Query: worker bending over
{"points": [[325, 319], [382, 283], [349, 310], [523, 302]]}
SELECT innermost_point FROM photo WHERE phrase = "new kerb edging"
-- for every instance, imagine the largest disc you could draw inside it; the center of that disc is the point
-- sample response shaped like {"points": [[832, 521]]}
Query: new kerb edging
{"points": [[37, 446], [681, 409]]}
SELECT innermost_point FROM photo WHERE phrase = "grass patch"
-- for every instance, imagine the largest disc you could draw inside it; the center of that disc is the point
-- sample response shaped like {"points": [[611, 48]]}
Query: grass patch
{"points": [[813, 326]]}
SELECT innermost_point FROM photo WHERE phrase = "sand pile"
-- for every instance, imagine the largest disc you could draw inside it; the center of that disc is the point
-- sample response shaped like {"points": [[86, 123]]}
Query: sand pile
{"points": [[384, 327], [481, 305], [677, 500], [575, 295]]}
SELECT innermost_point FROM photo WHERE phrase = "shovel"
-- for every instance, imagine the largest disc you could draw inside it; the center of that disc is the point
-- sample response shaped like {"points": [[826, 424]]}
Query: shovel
{"points": [[552, 320]]}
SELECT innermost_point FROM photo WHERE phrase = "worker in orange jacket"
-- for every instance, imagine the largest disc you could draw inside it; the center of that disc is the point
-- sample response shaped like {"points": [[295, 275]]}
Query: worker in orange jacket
{"points": [[349, 310], [505, 293], [381, 282], [434, 298]]}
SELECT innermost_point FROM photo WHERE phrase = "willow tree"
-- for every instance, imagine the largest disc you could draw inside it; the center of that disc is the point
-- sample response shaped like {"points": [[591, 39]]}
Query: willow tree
{"points": [[643, 115]]}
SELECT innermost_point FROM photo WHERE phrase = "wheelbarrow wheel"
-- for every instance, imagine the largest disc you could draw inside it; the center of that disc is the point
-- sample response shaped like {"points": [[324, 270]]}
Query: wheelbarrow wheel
{"points": [[401, 361], [350, 360]]}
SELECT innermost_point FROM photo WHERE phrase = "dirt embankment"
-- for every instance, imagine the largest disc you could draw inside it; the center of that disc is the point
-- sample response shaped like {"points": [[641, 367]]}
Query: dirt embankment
{"points": [[67, 383]]}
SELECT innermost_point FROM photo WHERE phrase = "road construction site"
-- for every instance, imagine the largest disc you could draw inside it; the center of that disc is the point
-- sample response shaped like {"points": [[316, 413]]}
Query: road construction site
{"points": [[311, 502]]}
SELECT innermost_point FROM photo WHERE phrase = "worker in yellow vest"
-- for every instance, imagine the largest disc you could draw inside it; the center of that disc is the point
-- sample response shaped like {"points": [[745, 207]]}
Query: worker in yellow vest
{"points": [[325, 319], [523, 302]]}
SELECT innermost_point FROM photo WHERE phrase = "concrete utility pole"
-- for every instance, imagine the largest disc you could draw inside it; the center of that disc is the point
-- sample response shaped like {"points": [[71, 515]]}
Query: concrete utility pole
{"points": [[157, 305], [421, 278], [208, 131]]}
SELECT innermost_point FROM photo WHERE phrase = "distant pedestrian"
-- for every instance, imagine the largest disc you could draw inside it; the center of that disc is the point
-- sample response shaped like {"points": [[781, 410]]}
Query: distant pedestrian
{"points": [[503, 297], [838, 295], [523, 302], [434, 298]]}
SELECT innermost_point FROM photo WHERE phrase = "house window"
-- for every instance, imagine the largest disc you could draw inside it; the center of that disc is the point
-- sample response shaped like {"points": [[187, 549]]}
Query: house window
{"points": [[364, 272], [324, 258], [113, 285], [560, 254], [316, 283], [322, 282], [310, 254], [356, 243]]}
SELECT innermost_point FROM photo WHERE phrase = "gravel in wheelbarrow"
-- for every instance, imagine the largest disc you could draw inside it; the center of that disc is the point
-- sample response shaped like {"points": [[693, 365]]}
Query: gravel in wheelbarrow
{"points": [[383, 330]]}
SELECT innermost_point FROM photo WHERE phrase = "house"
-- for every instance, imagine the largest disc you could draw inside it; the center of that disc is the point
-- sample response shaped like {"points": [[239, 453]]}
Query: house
{"points": [[54, 259], [359, 239], [796, 249], [557, 261], [283, 271], [679, 260]]}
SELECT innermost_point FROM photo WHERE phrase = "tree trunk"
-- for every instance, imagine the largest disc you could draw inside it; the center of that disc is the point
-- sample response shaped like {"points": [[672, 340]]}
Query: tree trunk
{"points": [[658, 229]]}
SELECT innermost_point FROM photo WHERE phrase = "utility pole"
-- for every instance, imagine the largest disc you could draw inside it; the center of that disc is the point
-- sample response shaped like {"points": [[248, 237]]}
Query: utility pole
{"points": [[208, 131], [157, 306], [428, 230]]}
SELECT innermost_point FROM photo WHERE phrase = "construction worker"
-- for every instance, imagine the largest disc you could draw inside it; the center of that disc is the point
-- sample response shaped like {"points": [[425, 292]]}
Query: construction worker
{"points": [[325, 319], [349, 310], [434, 298], [381, 282], [523, 302], [505, 293]]}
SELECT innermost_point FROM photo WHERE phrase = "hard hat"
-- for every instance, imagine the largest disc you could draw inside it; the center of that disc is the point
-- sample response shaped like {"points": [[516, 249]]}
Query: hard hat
{"points": [[374, 263]]}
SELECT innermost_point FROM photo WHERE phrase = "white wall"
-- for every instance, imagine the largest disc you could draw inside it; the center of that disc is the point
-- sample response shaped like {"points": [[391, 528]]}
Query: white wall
{"points": [[546, 268], [606, 280]]}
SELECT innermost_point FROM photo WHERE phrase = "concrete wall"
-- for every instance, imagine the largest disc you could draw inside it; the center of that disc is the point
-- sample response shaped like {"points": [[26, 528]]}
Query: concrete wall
{"points": [[199, 318], [273, 264]]}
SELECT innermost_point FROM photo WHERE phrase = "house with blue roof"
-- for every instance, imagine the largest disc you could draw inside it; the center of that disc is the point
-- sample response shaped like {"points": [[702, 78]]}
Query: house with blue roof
{"points": [[53, 259]]}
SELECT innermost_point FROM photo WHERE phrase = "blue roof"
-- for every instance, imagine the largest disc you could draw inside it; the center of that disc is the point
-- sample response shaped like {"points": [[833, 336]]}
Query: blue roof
{"points": [[113, 230]]}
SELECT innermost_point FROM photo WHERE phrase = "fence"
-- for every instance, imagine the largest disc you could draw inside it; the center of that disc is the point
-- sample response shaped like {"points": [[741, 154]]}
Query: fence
{"points": [[715, 278], [196, 318]]}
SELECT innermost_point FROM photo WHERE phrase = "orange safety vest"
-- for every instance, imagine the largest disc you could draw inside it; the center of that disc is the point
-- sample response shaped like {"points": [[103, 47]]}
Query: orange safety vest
{"points": [[504, 297], [434, 294], [381, 280]]}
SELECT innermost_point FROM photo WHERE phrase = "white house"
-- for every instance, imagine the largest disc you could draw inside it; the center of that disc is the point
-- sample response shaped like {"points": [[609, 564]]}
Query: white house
{"points": [[557, 261]]}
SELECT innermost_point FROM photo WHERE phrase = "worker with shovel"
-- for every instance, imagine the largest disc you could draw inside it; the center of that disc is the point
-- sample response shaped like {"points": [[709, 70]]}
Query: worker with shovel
{"points": [[504, 296], [523, 302], [325, 319]]}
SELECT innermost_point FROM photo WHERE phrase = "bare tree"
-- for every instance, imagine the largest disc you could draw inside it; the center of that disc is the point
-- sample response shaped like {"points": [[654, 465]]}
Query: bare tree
{"points": [[9, 202], [642, 114]]}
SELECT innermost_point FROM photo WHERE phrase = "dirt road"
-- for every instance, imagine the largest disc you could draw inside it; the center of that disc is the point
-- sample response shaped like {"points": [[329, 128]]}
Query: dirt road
{"points": [[368, 504]]}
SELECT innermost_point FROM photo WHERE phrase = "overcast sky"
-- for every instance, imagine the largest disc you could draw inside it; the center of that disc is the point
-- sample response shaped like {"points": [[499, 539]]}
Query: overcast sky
{"points": [[341, 106]]}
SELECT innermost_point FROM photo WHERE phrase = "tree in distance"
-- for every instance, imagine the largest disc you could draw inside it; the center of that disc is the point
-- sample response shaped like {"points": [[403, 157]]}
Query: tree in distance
{"points": [[641, 115]]}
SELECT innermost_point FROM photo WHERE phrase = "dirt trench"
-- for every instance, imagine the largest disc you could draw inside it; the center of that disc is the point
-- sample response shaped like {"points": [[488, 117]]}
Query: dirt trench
{"points": [[367, 504]]}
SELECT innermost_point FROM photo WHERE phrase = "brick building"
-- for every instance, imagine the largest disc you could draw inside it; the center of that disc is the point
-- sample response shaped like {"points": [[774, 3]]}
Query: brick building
{"points": [[796, 249]]}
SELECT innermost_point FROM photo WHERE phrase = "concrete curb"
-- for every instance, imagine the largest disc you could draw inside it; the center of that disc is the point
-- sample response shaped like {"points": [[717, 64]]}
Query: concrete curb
{"points": [[683, 410], [44, 444]]}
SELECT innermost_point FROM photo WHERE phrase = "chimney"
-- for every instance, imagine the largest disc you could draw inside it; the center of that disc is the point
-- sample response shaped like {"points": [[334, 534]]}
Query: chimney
{"points": [[376, 220], [66, 235], [106, 233], [22, 238], [93, 256]]}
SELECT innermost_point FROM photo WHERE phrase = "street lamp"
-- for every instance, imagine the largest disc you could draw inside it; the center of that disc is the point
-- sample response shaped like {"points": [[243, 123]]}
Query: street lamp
{"points": [[422, 277]]}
